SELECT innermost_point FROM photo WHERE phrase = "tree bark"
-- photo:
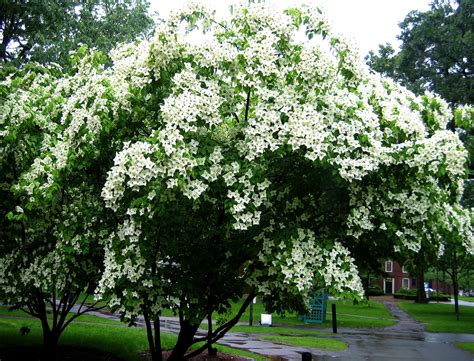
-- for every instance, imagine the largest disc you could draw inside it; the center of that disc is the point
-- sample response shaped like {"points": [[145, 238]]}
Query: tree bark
{"points": [[420, 284], [454, 278], [185, 340], [223, 329], [50, 343], [368, 286], [210, 350], [156, 326], [251, 314], [154, 337]]}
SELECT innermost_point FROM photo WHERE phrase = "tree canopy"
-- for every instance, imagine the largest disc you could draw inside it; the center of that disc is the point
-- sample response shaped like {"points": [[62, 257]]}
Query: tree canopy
{"points": [[47, 31], [249, 162], [437, 51]]}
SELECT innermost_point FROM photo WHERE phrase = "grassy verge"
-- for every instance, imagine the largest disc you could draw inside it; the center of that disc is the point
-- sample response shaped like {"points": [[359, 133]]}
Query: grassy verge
{"points": [[466, 298], [441, 318], [276, 330], [315, 342], [124, 342], [468, 346]]}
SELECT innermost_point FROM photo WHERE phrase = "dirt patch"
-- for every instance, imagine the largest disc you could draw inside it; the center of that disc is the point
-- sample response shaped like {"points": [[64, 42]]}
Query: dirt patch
{"points": [[65, 353]]}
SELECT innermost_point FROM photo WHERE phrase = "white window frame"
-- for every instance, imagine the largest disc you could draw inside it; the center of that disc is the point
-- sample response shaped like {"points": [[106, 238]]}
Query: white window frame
{"points": [[386, 266], [408, 283], [404, 270]]}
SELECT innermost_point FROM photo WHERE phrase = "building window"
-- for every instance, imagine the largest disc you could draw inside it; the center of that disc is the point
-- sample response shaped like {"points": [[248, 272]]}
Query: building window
{"points": [[406, 283], [404, 269], [388, 266]]}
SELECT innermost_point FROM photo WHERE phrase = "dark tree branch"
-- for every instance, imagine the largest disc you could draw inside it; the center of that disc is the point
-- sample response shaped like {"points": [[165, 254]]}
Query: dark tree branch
{"points": [[236, 117], [222, 330], [247, 106]]}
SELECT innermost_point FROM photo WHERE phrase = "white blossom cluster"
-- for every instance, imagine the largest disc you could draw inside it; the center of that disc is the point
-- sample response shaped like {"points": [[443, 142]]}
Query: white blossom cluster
{"points": [[464, 117], [132, 168], [300, 264]]}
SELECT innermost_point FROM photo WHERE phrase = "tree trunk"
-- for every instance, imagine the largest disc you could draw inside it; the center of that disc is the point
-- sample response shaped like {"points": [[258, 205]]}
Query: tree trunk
{"points": [[223, 329], [185, 340], [50, 344], [251, 314], [158, 354], [454, 278], [210, 350], [420, 284], [154, 341], [368, 286]]}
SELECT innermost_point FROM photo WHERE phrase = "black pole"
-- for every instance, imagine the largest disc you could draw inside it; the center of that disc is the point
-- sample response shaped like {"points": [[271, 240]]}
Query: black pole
{"points": [[334, 321], [251, 314]]}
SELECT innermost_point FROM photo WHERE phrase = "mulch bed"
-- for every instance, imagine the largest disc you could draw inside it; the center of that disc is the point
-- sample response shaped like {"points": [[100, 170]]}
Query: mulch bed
{"points": [[203, 357], [21, 353]]}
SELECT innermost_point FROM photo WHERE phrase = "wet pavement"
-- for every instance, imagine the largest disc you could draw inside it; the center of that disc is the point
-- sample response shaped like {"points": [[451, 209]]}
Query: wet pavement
{"points": [[405, 341]]}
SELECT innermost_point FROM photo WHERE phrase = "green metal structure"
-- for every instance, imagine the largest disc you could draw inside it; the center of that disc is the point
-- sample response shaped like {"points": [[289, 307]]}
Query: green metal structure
{"points": [[318, 305]]}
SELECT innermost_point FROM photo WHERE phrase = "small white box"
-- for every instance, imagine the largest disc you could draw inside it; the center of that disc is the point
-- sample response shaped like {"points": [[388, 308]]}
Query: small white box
{"points": [[266, 319]]}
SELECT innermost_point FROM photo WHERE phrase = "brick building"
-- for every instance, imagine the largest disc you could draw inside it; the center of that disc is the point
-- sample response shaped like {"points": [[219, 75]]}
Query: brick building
{"points": [[397, 278]]}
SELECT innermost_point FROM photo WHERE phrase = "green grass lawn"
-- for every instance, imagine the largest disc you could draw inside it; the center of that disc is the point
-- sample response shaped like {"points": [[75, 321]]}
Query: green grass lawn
{"points": [[125, 342], [466, 298], [468, 346], [441, 317], [371, 314], [120, 341], [316, 342]]}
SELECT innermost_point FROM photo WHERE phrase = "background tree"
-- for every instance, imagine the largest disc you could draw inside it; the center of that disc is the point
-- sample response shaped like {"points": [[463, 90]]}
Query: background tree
{"points": [[456, 262], [48, 31], [437, 51], [52, 255]]}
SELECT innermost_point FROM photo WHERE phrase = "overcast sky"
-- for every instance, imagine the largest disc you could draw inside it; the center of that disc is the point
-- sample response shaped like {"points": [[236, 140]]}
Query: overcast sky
{"points": [[369, 22]]}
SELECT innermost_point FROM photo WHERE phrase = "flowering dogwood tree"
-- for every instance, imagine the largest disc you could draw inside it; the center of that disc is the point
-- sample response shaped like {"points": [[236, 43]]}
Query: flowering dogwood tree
{"points": [[51, 252], [253, 160], [282, 152]]}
